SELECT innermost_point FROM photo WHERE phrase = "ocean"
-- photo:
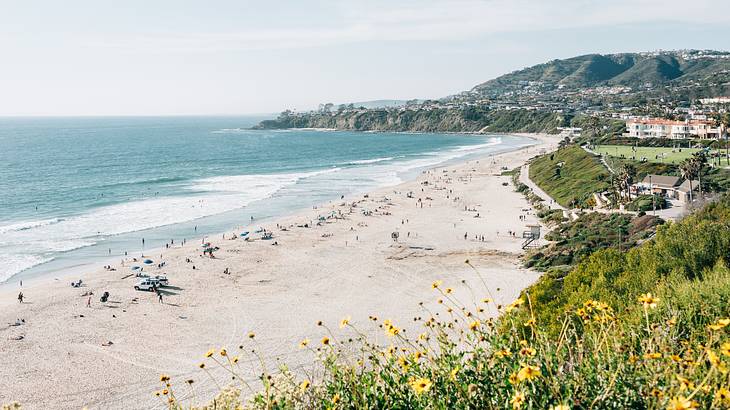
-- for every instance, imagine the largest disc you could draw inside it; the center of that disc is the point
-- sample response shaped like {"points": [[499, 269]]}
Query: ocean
{"points": [[76, 191]]}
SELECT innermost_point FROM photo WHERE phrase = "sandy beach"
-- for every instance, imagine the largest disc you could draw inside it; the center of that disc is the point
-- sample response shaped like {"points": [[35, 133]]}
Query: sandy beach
{"points": [[324, 264]]}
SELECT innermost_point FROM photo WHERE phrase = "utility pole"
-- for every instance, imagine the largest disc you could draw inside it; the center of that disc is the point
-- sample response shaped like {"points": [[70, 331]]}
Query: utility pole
{"points": [[653, 198]]}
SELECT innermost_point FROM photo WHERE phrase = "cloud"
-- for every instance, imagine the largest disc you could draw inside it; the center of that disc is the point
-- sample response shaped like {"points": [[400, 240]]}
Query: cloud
{"points": [[427, 20]]}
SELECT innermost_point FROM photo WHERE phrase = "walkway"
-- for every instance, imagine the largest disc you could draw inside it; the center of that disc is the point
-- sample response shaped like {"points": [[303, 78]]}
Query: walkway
{"points": [[525, 179]]}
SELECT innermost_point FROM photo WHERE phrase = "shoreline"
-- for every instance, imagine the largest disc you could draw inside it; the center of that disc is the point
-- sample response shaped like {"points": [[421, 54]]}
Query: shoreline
{"points": [[32, 275], [347, 265]]}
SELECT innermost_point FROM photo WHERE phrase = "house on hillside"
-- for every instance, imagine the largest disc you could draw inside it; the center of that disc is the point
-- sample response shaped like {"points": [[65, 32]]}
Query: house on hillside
{"points": [[669, 187]]}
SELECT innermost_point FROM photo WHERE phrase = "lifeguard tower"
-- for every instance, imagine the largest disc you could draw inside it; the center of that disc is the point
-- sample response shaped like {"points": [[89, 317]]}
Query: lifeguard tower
{"points": [[531, 236]]}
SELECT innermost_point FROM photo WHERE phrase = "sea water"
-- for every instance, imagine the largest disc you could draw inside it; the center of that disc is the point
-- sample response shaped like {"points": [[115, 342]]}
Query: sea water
{"points": [[75, 191]]}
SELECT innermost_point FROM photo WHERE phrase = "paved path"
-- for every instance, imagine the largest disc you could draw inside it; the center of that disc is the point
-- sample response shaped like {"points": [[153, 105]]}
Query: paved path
{"points": [[525, 179]]}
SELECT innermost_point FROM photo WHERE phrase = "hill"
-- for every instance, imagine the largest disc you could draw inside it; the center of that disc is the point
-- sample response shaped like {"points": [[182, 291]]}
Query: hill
{"points": [[625, 69]]}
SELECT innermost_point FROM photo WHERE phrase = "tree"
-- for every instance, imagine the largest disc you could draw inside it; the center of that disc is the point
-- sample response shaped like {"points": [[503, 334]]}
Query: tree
{"points": [[699, 159], [687, 169], [724, 125], [626, 176]]}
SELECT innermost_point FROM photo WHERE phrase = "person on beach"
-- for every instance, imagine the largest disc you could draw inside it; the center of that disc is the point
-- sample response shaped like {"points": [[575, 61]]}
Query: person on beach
{"points": [[20, 297], [88, 302], [159, 296]]}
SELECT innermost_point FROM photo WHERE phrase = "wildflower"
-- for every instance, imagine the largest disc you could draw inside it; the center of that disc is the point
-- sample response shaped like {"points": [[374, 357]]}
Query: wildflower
{"points": [[453, 373], [652, 355], [685, 383], [531, 322], [165, 392], [336, 398], [210, 353], [723, 395], [474, 325], [681, 403], [449, 290], [513, 378], [417, 355], [202, 365], [528, 373], [502, 353], [725, 349], [648, 301], [420, 385], [304, 385], [164, 378], [527, 352], [514, 305], [344, 322], [403, 363], [224, 353], [303, 343], [436, 284], [486, 300], [157, 393], [391, 330], [391, 351], [325, 340], [672, 321], [518, 400], [713, 359], [251, 335], [236, 359], [560, 407]]}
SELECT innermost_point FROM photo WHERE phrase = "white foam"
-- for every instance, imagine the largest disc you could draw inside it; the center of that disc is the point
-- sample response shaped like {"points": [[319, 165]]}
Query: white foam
{"points": [[370, 161], [13, 263], [22, 226]]}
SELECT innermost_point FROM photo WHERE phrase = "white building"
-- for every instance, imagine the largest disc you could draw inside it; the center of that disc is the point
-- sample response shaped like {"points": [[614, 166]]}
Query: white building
{"points": [[661, 128]]}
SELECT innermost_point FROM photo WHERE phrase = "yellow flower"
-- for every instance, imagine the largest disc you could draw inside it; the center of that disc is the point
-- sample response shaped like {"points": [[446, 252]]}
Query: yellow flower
{"points": [[528, 373], [474, 325], [390, 351], [685, 383], [251, 335], [325, 340], [391, 330], [224, 353], [210, 353], [725, 348], [652, 355], [527, 352], [502, 353], [724, 322], [336, 398], [513, 378], [403, 363], [449, 290], [514, 305], [531, 322], [713, 358], [518, 400], [164, 378], [486, 300], [436, 284], [303, 343], [420, 385], [648, 301], [236, 359], [681, 403], [723, 395], [165, 392], [304, 385], [344, 322], [417, 355], [453, 373], [560, 407]]}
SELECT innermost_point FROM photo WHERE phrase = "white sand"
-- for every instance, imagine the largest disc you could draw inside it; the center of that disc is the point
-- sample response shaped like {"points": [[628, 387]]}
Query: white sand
{"points": [[348, 266]]}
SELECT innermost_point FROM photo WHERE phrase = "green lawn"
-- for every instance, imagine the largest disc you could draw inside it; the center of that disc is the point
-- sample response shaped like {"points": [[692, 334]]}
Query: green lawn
{"points": [[569, 174], [652, 154]]}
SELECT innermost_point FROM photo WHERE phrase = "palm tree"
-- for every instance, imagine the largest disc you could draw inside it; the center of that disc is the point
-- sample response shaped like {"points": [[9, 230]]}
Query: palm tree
{"points": [[627, 175], [724, 125], [699, 160], [687, 169]]}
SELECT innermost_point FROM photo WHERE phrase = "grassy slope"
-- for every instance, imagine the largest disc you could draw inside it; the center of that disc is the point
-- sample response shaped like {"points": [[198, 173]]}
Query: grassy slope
{"points": [[580, 175]]}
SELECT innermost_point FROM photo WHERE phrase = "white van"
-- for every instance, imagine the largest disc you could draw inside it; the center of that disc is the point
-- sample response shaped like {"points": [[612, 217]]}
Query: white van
{"points": [[148, 284]]}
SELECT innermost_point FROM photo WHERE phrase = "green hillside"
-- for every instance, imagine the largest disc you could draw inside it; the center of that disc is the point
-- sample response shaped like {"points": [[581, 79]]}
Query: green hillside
{"points": [[626, 69]]}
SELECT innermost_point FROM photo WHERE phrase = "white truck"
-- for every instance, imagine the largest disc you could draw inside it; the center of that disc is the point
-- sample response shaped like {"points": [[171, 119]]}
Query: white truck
{"points": [[148, 284]]}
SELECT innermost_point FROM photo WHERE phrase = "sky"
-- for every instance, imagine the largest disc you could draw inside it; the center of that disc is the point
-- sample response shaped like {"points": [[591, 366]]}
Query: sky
{"points": [[226, 57]]}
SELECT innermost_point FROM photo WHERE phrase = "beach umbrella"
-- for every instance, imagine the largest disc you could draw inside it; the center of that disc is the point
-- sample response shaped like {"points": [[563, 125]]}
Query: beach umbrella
{"points": [[135, 267], [148, 261]]}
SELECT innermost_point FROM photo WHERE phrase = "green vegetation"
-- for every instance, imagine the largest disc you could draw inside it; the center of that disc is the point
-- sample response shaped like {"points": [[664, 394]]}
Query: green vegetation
{"points": [[646, 203], [572, 241], [651, 154], [645, 328], [626, 69], [570, 175], [467, 119]]}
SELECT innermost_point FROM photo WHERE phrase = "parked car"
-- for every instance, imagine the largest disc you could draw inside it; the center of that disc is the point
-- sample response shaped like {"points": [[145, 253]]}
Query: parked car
{"points": [[162, 279], [148, 284]]}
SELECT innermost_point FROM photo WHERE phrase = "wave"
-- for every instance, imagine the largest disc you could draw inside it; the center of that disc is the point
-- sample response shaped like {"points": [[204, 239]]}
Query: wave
{"points": [[23, 226], [370, 161], [16, 263]]}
